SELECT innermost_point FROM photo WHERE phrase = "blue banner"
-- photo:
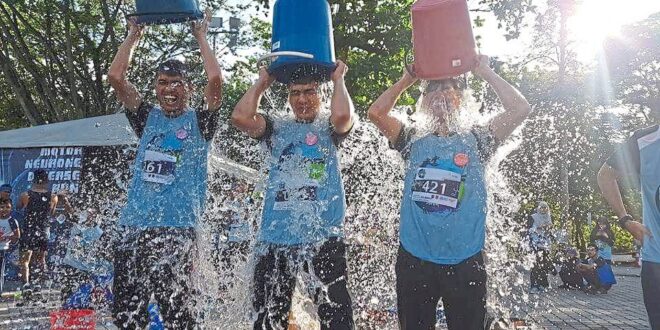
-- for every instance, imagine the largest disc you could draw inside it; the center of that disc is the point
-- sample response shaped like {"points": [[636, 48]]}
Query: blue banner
{"points": [[17, 166]]}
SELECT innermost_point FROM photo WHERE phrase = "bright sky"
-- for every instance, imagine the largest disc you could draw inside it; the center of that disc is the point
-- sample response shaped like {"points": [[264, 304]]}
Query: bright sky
{"points": [[592, 22]]}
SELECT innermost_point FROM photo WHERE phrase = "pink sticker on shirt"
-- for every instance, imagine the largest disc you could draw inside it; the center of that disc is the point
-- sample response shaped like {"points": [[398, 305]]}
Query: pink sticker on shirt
{"points": [[311, 139]]}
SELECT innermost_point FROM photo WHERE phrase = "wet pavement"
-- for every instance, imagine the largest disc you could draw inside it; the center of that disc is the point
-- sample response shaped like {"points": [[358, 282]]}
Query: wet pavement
{"points": [[621, 308]]}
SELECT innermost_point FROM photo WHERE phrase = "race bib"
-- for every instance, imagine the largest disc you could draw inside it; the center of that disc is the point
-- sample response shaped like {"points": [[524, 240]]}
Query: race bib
{"points": [[288, 199], [158, 167], [436, 187]]}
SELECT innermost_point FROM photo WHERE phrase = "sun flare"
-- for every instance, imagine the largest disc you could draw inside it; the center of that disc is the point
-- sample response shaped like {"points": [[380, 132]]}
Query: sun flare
{"points": [[595, 20]]}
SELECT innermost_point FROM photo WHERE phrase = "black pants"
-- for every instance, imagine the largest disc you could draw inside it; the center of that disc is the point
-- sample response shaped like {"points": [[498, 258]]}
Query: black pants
{"points": [[275, 280], [155, 261], [539, 273], [570, 276], [651, 292], [420, 285]]}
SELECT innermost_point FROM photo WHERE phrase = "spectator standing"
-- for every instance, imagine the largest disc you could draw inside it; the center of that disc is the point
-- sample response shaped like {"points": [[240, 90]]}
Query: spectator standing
{"points": [[39, 205], [603, 237], [540, 234], [9, 234]]}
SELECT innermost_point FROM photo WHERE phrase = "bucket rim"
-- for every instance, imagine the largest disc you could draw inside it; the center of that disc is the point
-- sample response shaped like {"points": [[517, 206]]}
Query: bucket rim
{"points": [[424, 4]]}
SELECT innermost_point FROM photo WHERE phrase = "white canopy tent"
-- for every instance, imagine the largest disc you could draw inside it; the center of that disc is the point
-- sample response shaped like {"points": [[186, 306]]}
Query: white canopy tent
{"points": [[110, 130]]}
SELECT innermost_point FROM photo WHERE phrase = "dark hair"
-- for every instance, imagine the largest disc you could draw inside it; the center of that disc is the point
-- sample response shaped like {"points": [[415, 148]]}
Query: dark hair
{"points": [[456, 83], [593, 246], [6, 188], [5, 201], [173, 67], [40, 176], [603, 220], [306, 74]]}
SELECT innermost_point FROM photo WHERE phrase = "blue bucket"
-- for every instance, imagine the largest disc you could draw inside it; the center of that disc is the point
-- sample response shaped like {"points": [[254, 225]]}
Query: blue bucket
{"points": [[302, 39], [152, 12]]}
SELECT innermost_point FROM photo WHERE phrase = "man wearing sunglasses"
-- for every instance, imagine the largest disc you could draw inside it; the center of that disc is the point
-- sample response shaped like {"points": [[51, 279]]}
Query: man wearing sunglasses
{"points": [[304, 205], [443, 209], [168, 189]]}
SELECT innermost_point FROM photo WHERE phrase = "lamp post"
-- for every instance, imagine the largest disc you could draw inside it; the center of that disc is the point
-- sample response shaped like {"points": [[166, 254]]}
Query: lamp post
{"points": [[215, 28]]}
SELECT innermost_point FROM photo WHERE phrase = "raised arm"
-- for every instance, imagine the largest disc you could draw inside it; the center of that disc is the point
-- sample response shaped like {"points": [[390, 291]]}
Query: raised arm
{"points": [[127, 93], [245, 116], [607, 182], [516, 107], [379, 111], [341, 106], [213, 89]]}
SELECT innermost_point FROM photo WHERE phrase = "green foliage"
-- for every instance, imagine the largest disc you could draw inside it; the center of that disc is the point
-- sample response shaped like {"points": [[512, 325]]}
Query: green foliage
{"points": [[374, 39], [569, 132], [633, 63], [55, 55]]}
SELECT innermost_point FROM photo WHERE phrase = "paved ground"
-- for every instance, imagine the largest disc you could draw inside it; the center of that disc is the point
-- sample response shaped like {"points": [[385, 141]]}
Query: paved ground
{"points": [[621, 308]]}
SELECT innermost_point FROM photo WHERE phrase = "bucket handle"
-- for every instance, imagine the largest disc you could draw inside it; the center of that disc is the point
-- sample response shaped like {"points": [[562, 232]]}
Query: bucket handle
{"points": [[283, 53]]}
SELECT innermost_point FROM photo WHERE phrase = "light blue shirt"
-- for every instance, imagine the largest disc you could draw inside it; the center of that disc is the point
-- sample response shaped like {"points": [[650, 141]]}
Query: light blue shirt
{"points": [[443, 208], [168, 188], [304, 200], [649, 156]]}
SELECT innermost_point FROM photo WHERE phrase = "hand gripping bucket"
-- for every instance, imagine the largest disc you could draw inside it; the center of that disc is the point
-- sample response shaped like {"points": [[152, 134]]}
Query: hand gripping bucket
{"points": [[152, 12], [302, 39], [443, 42], [73, 319]]}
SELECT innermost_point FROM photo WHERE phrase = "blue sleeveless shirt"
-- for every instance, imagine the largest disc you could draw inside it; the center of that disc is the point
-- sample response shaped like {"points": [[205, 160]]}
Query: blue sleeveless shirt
{"points": [[304, 200], [168, 188], [443, 208]]}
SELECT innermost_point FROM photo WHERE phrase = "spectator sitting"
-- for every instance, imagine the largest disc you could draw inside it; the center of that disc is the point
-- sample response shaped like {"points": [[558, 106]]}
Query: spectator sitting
{"points": [[591, 270], [568, 273]]}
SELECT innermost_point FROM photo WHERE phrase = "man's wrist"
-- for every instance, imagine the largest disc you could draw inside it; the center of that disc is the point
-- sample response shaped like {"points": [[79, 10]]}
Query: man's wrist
{"points": [[624, 220]]}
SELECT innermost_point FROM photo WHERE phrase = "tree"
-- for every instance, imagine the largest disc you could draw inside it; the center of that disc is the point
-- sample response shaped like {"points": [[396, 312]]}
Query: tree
{"points": [[55, 58], [374, 38], [633, 63]]}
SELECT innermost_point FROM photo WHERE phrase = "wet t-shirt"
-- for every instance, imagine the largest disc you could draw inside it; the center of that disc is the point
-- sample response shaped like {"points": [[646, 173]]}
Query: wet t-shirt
{"points": [[443, 208], [639, 156], [168, 188], [304, 200]]}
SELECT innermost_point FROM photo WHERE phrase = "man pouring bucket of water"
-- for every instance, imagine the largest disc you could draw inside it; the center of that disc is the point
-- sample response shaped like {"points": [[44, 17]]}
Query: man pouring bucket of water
{"points": [[304, 206], [444, 203], [168, 189]]}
